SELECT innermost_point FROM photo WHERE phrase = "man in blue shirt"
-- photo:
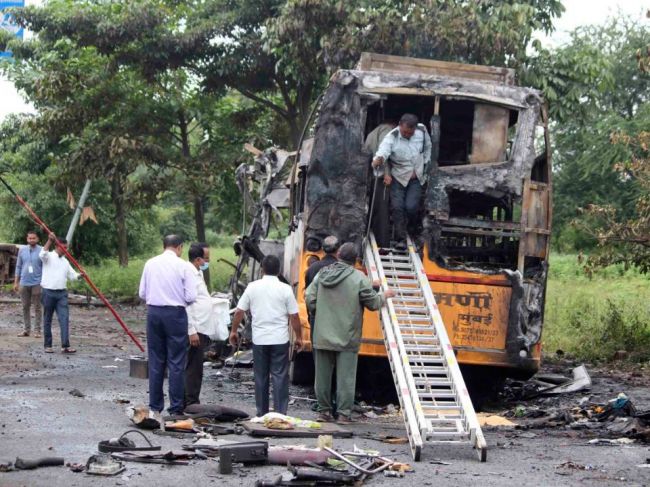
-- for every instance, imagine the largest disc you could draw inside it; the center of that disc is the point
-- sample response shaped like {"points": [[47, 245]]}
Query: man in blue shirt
{"points": [[28, 281]]}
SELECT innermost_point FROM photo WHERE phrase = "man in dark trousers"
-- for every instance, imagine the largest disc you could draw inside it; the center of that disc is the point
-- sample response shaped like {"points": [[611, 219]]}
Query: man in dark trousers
{"points": [[273, 309], [167, 285], [337, 296], [198, 318]]}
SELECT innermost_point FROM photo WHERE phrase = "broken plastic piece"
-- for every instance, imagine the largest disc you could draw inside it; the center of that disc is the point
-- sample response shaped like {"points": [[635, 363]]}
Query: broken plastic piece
{"points": [[103, 464]]}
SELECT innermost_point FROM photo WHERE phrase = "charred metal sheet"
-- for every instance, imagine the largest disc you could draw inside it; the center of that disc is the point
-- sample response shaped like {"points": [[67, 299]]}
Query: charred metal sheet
{"points": [[526, 310], [337, 176]]}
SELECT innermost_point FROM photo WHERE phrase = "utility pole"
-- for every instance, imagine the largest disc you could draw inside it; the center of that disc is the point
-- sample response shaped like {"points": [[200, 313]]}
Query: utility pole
{"points": [[77, 212]]}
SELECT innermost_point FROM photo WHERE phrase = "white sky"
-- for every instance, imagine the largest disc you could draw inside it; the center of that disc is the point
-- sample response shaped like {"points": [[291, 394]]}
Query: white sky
{"points": [[578, 12]]}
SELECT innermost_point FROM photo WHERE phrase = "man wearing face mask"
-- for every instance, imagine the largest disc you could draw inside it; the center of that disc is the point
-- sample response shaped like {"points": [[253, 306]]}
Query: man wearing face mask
{"points": [[168, 286], [198, 321]]}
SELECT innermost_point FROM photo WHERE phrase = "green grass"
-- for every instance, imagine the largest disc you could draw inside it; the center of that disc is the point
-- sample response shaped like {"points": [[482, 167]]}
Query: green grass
{"points": [[592, 318], [122, 282]]}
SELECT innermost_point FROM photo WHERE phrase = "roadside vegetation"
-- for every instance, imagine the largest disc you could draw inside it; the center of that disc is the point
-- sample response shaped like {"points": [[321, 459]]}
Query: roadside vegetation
{"points": [[598, 316], [121, 283]]}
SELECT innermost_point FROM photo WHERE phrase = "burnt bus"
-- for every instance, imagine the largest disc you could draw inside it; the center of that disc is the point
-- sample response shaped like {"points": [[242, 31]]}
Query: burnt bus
{"points": [[486, 210]]}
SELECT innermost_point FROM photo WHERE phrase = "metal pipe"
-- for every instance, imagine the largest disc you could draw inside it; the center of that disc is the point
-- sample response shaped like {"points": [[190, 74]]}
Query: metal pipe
{"points": [[77, 211], [74, 262]]}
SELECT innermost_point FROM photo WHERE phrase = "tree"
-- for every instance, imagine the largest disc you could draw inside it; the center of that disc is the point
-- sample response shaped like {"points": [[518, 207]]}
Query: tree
{"points": [[594, 88], [30, 164], [280, 53], [625, 239]]}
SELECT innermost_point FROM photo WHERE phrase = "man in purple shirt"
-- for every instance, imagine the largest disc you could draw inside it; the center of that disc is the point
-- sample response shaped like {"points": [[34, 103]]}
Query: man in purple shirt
{"points": [[167, 286]]}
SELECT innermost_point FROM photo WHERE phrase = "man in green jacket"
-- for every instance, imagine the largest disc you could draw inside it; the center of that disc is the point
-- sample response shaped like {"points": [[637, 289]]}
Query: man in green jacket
{"points": [[337, 297]]}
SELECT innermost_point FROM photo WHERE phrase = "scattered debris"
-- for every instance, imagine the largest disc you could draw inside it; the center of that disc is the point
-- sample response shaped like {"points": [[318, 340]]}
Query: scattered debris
{"points": [[103, 464], [242, 358], [216, 413], [549, 385], [254, 452], [575, 466], [301, 429], [183, 425], [125, 444], [391, 440], [76, 467], [436, 461], [25, 464], [138, 367], [616, 441], [485, 419], [141, 417], [298, 455], [168, 458]]}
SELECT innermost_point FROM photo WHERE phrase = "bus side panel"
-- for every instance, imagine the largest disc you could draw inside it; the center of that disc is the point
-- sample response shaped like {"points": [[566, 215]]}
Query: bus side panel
{"points": [[475, 315]]}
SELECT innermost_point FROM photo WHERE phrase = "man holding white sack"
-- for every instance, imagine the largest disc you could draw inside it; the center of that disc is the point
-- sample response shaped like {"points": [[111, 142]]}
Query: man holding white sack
{"points": [[200, 325]]}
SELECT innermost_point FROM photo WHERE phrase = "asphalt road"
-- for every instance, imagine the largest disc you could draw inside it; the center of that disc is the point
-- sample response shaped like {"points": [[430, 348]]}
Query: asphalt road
{"points": [[39, 417]]}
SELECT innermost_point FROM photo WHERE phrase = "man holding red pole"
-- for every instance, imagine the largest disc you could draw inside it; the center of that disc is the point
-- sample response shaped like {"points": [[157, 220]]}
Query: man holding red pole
{"points": [[54, 295]]}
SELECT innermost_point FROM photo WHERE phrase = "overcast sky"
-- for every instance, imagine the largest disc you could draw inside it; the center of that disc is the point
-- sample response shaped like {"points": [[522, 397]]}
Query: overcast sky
{"points": [[578, 12]]}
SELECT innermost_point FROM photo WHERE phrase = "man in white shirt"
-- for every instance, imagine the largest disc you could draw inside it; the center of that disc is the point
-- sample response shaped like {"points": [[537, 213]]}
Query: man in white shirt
{"points": [[272, 306], [198, 319], [54, 295]]}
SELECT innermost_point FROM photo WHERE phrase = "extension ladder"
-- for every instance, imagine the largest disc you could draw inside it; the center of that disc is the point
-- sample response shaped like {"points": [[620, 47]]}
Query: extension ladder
{"points": [[432, 393]]}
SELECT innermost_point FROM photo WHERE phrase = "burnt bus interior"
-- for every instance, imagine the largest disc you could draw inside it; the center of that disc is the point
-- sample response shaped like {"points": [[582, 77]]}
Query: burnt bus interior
{"points": [[482, 228]]}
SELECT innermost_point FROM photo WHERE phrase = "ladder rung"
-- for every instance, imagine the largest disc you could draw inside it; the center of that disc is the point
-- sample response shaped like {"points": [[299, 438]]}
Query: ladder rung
{"points": [[420, 369], [438, 407], [407, 299], [424, 394], [402, 281], [458, 422], [420, 309], [399, 265], [451, 436], [432, 383], [410, 291], [399, 272], [399, 257], [413, 320]]}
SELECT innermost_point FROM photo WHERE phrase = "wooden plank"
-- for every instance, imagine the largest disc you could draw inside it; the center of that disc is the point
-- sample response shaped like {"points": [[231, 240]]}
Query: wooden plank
{"points": [[384, 62], [480, 232], [470, 222], [489, 134], [258, 429]]}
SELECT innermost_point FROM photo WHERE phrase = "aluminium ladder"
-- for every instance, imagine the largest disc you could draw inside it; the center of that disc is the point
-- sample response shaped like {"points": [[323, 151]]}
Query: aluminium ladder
{"points": [[434, 399]]}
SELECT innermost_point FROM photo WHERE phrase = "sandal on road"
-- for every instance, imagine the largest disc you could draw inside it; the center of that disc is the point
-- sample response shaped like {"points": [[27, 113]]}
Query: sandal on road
{"points": [[37, 335], [23, 334], [49, 350], [68, 350]]}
